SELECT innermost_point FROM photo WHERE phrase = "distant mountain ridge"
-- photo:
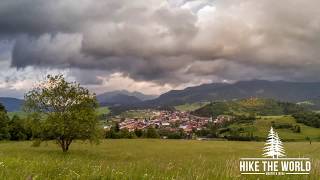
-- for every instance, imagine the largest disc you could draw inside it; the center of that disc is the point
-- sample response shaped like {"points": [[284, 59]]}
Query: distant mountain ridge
{"points": [[279, 90], [11, 104], [123, 97]]}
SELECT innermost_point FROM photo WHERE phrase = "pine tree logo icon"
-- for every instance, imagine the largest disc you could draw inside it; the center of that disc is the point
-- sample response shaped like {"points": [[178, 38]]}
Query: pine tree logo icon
{"points": [[273, 147], [274, 160]]}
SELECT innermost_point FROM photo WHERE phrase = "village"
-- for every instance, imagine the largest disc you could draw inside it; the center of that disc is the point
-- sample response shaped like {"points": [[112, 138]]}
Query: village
{"points": [[173, 121]]}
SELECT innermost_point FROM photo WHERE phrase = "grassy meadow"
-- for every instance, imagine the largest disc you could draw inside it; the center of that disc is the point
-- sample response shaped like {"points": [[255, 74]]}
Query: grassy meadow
{"points": [[190, 106], [143, 159], [262, 125]]}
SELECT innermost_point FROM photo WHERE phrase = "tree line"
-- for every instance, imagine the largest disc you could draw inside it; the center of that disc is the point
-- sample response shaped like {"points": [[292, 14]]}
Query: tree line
{"points": [[308, 118], [14, 128]]}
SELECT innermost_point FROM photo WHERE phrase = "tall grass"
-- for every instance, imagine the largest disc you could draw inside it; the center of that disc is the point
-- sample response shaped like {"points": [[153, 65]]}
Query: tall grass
{"points": [[142, 159]]}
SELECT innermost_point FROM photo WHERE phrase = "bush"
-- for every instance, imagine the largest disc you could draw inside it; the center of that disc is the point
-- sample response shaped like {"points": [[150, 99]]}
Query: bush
{"points": [[124, 133], [151, 133], [111, 134], [296, 129], [175, 135], [4, 126], [138, 132], [18, 129], [203, 132]]}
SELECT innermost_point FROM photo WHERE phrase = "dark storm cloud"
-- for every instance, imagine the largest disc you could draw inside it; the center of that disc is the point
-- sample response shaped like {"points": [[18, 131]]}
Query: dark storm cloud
{"points": [[35, 17], [163, 42]]}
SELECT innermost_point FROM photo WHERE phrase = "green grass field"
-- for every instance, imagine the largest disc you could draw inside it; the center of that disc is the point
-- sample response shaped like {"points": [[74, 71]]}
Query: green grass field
{"points": [[143, 159], [190, 106], [262, 125], [103, 110]]}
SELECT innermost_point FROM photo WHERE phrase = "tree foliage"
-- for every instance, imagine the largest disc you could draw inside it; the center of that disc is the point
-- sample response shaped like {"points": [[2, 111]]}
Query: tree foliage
{"points": [[66, 110], [4, 124], [2, 108], [308, 118], [19, 129], [151, 133]]}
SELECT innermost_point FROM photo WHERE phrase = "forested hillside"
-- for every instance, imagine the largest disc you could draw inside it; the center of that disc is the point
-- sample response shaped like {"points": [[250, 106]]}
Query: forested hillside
{"points": [[263, 107]]}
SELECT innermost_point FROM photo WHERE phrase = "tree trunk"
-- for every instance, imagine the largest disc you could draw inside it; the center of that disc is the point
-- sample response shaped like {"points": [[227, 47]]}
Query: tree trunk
{"points": [[64, 148], [64, 144]]}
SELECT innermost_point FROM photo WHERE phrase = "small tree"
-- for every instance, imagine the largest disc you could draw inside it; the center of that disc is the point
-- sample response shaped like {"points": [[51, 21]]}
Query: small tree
{"points": [[151, 133], [67, 111], [138, 132], [4, 127], [17, 129]]}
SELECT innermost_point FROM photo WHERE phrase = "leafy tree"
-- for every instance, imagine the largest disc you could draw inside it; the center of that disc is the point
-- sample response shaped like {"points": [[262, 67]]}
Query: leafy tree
{"points": [[308, 118], [138, 132], [112, 134], [67, 111], [2, 108], [296, 129], [18, 129], [124, 133], [203, 132], [117, 127], [175, 135], [151, 133], [308, 139], [4, 128]]}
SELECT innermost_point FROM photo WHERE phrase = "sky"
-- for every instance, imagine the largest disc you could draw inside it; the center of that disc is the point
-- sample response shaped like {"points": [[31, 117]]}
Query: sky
{"points": [[153, 46]]}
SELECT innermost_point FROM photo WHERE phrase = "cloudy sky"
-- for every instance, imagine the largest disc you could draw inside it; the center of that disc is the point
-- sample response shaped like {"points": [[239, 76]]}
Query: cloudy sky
{"points": [[153, 46]]}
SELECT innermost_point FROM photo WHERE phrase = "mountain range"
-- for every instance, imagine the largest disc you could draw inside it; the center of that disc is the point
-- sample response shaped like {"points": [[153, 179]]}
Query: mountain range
{"points": [[11, 104], [279, 90], [113, 98], [123, 97]]}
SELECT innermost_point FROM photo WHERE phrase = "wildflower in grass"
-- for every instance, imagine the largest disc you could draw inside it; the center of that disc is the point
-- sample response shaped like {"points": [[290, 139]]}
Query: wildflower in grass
{"points": [[78, 175]]}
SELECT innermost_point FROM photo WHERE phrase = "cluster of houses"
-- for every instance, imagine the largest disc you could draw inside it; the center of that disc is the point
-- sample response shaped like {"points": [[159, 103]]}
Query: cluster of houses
{"points": [[172, 121]]}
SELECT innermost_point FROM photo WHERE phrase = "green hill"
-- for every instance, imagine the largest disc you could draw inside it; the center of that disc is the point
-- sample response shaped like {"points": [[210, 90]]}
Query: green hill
{"points": [[190, 106], [263, 107], [282, 124], [252, 119]]}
